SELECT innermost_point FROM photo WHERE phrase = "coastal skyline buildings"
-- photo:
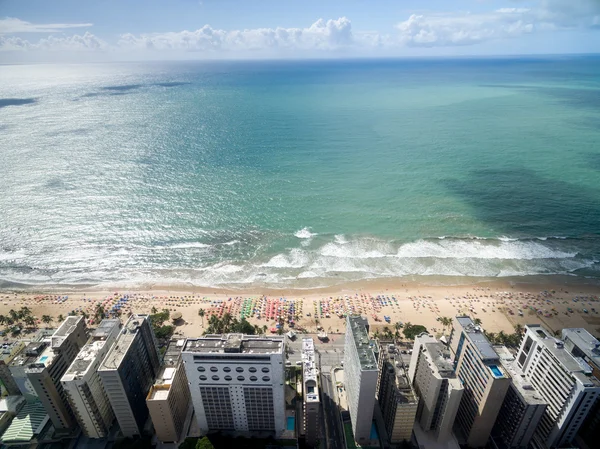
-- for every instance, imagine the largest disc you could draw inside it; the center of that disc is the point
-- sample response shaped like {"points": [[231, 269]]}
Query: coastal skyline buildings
{"points": [[360, 374], [484, 380], [237, 382], [47, 370], [564, 381], [82, 384], [432, 374], [128, 371]]}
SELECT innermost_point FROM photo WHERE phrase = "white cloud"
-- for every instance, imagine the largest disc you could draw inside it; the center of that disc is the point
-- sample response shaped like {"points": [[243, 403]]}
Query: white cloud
{"points": [[321, 35], [465, 28], [85, 42], [11, 25]]}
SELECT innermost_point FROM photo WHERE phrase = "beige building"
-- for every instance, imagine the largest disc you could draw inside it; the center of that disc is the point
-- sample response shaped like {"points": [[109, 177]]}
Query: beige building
{"points": [[81, 382], [397, 399], [45, 373], [484, 380], [169, 398], [311, 396], [440, 391]]}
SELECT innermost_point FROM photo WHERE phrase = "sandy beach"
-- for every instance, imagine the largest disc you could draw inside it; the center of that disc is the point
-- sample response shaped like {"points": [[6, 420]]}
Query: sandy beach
{"points": [[499, 305]]}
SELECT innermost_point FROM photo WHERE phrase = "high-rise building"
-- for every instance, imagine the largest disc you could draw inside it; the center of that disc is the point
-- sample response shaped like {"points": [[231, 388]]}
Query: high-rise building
{"points": [[311, 392], [397, 399], [45, 373], [169, 398], [237, 382], [128, 371], [81, 382], [360, 375], [484, 381], [17, 366], [522, 409], [432, 375], [564, 381], [580, 343]]}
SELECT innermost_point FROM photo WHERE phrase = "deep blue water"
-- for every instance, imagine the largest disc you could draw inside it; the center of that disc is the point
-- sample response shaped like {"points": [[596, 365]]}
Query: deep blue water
{"points": [[299, 173]]}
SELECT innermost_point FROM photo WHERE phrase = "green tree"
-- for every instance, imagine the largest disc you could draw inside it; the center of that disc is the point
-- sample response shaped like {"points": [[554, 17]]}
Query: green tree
{"points": [[204, 443], [25, 311], [2, 319], [47, 319], [164, 332], [477, 322], [201, 313], [30, 321], [14, 315], [61, 318], [265, 329], [153, 310], [410, 331], [519, 329], [446, 322]]}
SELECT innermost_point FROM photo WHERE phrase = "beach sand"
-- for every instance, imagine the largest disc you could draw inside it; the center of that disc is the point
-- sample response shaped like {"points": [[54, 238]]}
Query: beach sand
{"points": [[496, 304]]}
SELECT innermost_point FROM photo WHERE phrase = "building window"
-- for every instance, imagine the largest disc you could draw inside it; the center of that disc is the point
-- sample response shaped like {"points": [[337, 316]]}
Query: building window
{"points": [[227, 369], [215, 378], [239, 369], [214, 369], [241, 378], [252, 369], [253, 378], [203, 377], [227, 377], [201, 369], [266, 378], [265, 370]]}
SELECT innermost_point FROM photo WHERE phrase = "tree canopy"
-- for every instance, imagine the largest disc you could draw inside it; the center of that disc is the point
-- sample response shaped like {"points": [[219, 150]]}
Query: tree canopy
{"points": [[410, 331]]}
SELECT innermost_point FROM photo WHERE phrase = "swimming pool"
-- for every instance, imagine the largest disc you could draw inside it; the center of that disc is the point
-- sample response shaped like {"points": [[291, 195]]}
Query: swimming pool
{"points": [[291, 421], [43, 359], [496, 371]]}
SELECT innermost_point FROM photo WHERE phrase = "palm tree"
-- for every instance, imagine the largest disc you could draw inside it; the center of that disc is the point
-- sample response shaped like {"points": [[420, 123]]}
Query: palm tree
{"points": [[501, 337], [2, 319], [25, 311], [376, 335], [29, 321], [446, 322], [264, 329], [14, 315], [387, 333], [477, 322], [201, 313], [519, 329], [61, 318], [100, 313], [47, 319], [153, 310]]}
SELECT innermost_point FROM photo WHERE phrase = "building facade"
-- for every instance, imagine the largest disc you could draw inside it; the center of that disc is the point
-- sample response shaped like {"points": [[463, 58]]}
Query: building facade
{"points": [[522, 408], [563, 380], [484, 380], [237, 382], [6, 377], [431, 373], [17, 366], [169, 398], [360, 375], [128, 372], [81, 382], [397, 399], [45, 373], [311, 398]]}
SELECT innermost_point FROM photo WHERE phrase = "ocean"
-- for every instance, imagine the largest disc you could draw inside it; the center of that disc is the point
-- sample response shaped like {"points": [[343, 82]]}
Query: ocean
{"points": [[299, 174]]}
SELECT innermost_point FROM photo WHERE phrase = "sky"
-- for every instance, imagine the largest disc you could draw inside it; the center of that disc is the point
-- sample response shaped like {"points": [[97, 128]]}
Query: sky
{"points": [[81, 30]]}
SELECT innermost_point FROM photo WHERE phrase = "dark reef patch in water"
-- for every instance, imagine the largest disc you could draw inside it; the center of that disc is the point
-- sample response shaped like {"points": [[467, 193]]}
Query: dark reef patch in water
{"points": [[5, 102]]}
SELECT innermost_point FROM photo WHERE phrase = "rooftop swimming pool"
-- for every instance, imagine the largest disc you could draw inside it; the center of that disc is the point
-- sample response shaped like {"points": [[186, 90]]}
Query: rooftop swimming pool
{"points": [[496, 371]]}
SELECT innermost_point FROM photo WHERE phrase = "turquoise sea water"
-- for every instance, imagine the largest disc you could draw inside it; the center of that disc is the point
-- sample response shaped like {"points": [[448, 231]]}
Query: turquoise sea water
{"points": [[299, 174]]}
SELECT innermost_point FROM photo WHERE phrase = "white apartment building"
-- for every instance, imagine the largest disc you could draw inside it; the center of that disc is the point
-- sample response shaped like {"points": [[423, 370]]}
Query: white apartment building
{"points": [[237, 382], [522, 409], [311, 392], [360, 375], [432, 374], [484, 380], [81, 382], [564, 381], [127, 373]]}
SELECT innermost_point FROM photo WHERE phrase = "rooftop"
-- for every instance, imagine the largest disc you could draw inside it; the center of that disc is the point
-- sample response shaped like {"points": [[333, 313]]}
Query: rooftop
{"points": [[43, 361], [309, 367], [115, 355], [477, 338], [30, 421], [235, 343], [162, 386], [89, 352], [404, 390], [587, 346], [359, 329], [29, 353], [578, 367], [439, 355], [529, 394], [64, 330]]}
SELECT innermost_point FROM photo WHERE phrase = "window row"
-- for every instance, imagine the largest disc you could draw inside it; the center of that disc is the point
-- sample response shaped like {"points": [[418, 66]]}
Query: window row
{"points": [[227, 369], [240, 378]]}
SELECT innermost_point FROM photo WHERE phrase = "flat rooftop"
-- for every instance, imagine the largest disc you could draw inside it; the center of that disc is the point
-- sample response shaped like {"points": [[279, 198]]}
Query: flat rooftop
{"points": [[477, 338], [578, 367], [64, 330], [162, 385], [366, 356], [235, 344], [311, 388], [529, 394], [30, 353], [105, 328], [43, 361], [586, 343], [404, 390], [115, 356], [173, 352]]}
